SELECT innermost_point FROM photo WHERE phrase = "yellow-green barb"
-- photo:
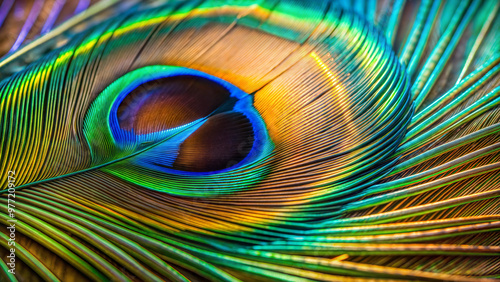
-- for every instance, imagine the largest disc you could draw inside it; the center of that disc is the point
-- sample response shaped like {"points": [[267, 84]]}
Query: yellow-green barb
{"points": [[247, 140]]}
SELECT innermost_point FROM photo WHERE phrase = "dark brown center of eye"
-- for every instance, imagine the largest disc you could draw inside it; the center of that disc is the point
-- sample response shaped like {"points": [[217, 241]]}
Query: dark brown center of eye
{"points": [[169, 102], [223, 141]]}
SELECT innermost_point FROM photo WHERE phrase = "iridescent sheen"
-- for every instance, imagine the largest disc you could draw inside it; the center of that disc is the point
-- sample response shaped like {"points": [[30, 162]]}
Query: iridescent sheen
{"points": [[251, 140]]}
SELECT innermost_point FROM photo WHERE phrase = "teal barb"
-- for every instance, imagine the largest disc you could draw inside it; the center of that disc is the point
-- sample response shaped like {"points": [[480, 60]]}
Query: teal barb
{"points": [[253, 141]]}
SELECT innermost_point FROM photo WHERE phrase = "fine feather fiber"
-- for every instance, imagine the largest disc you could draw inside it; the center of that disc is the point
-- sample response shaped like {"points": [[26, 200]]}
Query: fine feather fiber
{"points": [[246, 140]]}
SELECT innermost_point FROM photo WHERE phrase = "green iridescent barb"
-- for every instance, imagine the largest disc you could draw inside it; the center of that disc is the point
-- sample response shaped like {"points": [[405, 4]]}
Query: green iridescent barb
{"points": [[245, 140]]}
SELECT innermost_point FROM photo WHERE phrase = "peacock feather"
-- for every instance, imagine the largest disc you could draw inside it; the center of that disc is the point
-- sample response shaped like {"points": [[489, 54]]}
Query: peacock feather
{"points": [[250, 140]]}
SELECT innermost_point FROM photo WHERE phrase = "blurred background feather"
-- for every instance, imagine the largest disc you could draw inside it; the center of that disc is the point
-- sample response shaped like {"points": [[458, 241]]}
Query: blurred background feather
{"points": [[283, 140]]}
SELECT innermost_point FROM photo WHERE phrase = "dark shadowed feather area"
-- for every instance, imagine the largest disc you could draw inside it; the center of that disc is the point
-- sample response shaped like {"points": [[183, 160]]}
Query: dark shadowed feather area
{"points": [[250, 140]]}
